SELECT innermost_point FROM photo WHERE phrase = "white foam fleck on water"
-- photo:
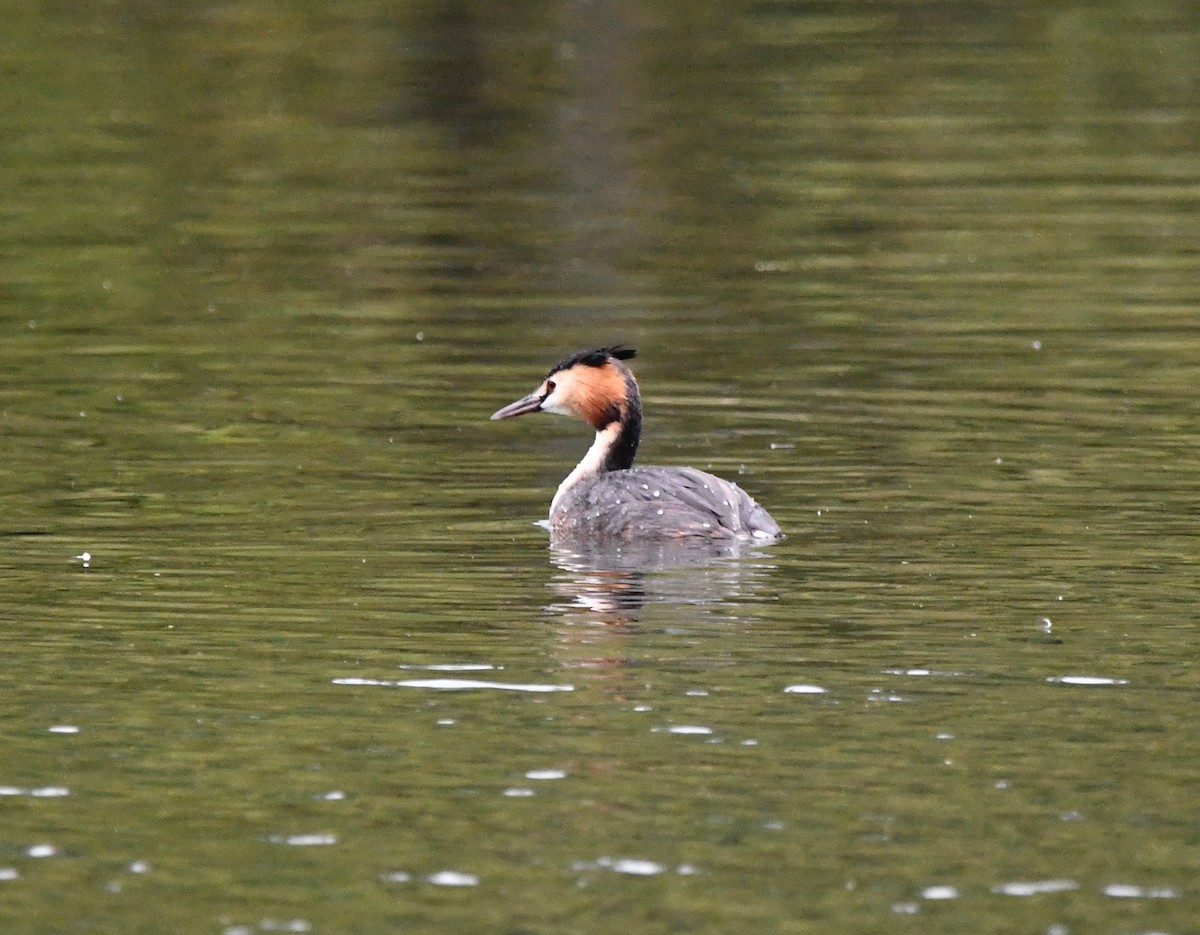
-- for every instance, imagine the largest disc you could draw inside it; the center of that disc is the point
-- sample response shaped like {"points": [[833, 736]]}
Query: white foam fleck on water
{"points": [[139, 866], [454, 667], [682, 729], [1087, 680], [63, 729], [284, 925], [1132, 891], [518, 792], [940, 891], [632, 866], [925, 673], [333, 795], [9, 873], [1034, 887], [304, 840], [546, 774], [453, 878], [453, 684], [396, 876], [41, 850], [804, 690]]}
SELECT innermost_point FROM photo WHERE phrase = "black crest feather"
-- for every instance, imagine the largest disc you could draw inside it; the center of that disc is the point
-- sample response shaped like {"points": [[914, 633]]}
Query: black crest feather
{"points": [[594, 358]]}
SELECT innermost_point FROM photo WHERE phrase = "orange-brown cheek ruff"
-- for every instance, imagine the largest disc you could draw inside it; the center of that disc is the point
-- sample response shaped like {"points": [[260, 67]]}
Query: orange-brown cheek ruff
{"points": [[597, 395]]}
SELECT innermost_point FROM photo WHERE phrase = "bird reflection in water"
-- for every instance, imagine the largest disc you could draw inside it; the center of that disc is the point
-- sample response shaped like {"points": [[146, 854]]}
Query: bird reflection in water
{"points": [[610, 584]]}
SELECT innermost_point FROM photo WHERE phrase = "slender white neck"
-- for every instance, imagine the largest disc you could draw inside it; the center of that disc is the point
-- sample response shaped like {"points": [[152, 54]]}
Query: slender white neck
{"points": [[590, 464]]}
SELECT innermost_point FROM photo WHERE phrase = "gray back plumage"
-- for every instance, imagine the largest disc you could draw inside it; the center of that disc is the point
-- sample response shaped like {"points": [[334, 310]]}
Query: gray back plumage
{"points": [[657, 502]]}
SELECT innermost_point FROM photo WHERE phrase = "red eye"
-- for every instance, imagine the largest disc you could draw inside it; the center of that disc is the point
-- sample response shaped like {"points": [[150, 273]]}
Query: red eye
{"points": [[549, 387]]}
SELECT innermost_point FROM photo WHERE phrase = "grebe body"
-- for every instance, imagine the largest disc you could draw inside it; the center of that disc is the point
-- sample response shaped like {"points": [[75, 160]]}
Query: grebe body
{"points": [[605, 497]]}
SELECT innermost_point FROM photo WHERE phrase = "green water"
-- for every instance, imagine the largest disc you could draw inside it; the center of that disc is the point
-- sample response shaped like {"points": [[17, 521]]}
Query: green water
{"points": [[921, 278]]}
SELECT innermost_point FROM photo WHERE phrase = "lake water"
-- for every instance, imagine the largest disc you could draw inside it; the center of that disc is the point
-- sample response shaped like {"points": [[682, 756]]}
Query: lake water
{"points": [[283, 646]]}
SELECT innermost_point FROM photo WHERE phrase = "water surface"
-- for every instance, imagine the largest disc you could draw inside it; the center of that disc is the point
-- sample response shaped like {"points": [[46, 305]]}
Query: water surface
{"points": [[284, 648]]}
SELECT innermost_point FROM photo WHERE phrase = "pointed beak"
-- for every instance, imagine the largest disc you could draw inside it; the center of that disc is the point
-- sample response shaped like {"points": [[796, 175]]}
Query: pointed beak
{"points": [[523, 406]]}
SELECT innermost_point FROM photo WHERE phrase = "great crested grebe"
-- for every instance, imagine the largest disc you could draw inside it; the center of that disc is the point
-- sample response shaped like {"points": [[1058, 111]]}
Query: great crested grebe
{"points": [[605, 497]]}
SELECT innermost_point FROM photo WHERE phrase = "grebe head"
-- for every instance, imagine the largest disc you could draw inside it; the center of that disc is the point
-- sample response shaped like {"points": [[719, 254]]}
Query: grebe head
{"points": [[592, 385], [596, 387]]}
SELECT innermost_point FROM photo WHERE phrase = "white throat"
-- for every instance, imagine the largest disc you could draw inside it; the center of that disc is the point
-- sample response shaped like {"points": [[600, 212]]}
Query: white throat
{"points": [[590, 464]]}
